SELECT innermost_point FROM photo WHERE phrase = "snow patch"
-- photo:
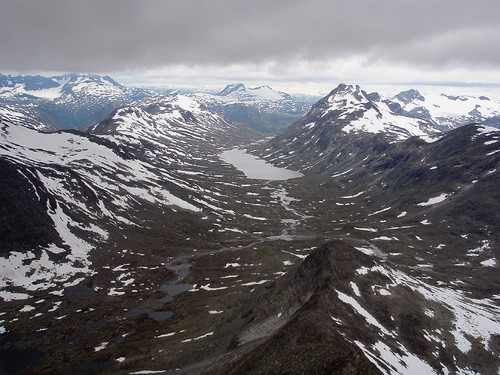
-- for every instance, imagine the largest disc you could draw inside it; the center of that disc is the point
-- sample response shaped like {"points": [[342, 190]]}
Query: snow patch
{"points": [[434, 200], [489, 262], [199, 337]]}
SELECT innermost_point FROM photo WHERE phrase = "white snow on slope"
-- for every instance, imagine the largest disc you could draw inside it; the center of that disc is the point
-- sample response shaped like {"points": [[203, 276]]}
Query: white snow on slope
{"points": [[473, 317], [50, 93], [382, 120], [448, 110], [398, 364], [265, 93], [101, 171], [363, 312], [433, 200], [485, 129]]}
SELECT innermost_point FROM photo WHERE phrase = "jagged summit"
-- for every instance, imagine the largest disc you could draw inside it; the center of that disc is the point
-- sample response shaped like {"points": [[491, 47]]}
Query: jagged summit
{"points": [[232, 88], [347, 94], [350, 109], [409, 96], [345, 88]]}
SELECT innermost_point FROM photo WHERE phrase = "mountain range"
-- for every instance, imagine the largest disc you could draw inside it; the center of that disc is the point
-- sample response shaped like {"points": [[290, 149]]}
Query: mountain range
{"points": [[260, 108], [141, 245], [81, 100], [65, 101]]}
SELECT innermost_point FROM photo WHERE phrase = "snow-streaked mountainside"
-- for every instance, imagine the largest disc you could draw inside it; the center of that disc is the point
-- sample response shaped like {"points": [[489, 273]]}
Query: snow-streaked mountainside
{"points": [[449, 111], [168, 118], [350, 108], [54, 88], [347, 120], [66, 101], [260, 108], [441, 111], [74, 178], [86, 182], [24, 115], [80, 100], [140, 246]]}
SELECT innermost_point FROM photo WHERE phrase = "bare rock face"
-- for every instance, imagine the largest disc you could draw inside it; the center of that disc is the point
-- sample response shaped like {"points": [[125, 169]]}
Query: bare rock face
{"points": [[310, 341], [25, 223], [344, 312]]}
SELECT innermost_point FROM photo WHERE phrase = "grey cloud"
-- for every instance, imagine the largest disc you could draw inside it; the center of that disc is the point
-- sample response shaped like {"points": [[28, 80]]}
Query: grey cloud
{"points": [[118, 35]]}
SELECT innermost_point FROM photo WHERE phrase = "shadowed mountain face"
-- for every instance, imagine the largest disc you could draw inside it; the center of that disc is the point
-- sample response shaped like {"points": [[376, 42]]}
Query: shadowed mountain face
{"points": [[25, 222], [139, 247], [71, 101]]}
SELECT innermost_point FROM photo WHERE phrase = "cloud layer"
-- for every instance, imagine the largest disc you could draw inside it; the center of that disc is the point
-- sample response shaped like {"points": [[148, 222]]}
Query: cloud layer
{"points": [[279, 38]]}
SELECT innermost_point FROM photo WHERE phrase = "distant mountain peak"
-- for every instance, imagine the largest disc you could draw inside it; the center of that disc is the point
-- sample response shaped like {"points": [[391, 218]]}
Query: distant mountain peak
{"points": [[347, 87], [266, 87], [111, 80], [232, 88], [409, 96], [344, 90], [264, 93]]}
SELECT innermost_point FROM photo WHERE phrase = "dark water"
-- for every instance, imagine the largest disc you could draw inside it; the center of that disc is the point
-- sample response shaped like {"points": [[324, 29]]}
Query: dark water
{"points": [[174, 289], [170, 289], [90, 368], [77, 293], [15, 361], [160, 316], [181, 269], [89, 329]]}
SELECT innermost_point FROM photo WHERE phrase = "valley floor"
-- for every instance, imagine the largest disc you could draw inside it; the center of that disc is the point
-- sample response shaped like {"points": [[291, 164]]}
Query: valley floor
{"points": [[173, 291]]}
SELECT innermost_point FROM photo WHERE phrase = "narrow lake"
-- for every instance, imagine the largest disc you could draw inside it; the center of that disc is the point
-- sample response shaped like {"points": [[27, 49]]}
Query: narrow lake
{"points": [[256, 168]]}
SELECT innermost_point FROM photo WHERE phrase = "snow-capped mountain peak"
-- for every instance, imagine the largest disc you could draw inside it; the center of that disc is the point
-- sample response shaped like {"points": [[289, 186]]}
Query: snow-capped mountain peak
{"points": [[448, 111], [232, 88], [352, 110], [266, 92], [54, 87], [408, 96], [345, 94], [90, 84], [172, 119], [240, 92], [66, 101]]}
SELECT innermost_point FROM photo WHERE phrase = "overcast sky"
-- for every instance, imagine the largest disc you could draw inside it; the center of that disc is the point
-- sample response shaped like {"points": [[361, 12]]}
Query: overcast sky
{"points": [[284, 43]]}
